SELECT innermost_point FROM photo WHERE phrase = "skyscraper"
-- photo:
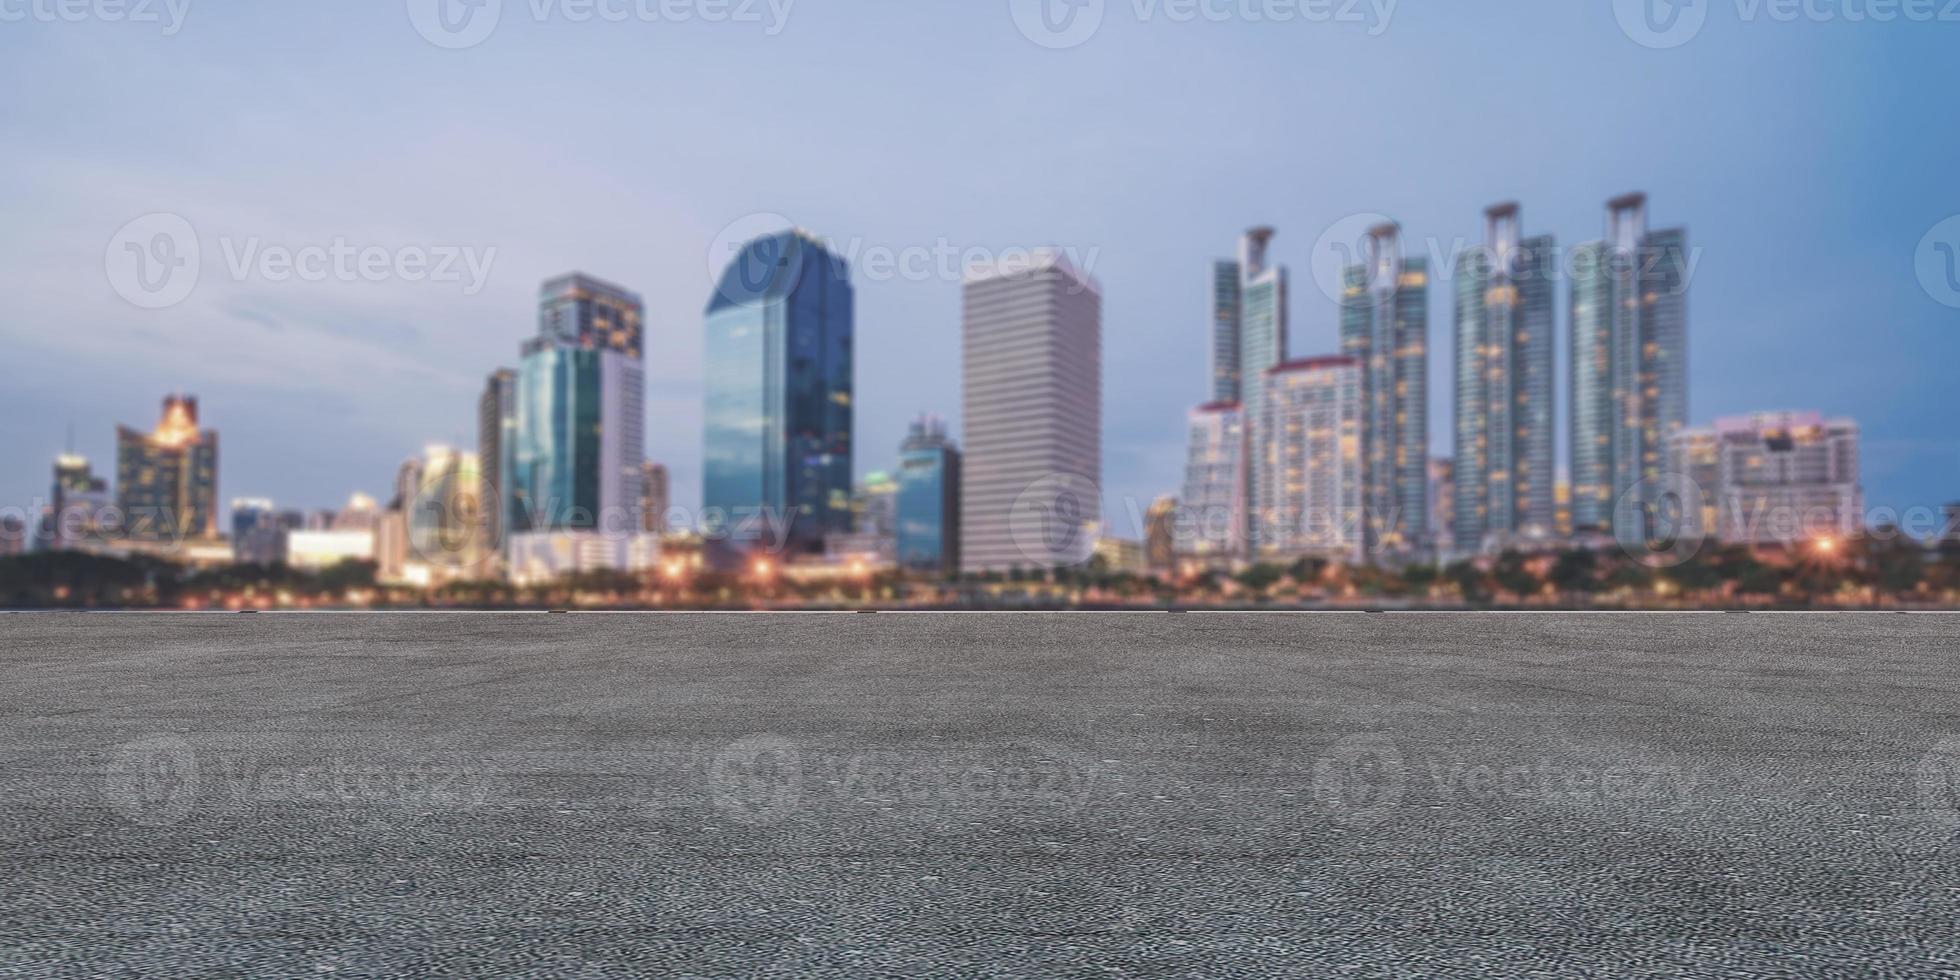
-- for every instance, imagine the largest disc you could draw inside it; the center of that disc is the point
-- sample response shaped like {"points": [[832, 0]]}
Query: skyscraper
{"points": [[1385, 327], [1262, 345], [928, 500], [1214, 502], [1031, 363], [569, 467], [167, 480], [496, 427], [1225, 331], [79, 506], [1311, 442], [1629, 360], [1504, 423], [779, 413]]}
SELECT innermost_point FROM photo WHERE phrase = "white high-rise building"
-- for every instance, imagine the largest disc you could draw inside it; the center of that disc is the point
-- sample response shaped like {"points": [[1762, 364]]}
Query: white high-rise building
{"points": [[1210, 528], [1313, 477], [1031, 362], [1774, 477]]}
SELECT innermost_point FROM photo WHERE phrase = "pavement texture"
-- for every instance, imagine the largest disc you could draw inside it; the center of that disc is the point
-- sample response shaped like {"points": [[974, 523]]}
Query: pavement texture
{"points": [[1005, 795]]}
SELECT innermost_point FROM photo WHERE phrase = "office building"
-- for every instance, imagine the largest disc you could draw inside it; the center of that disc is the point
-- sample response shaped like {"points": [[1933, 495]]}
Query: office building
{"points": [[1504, 423], [496, 430], [1212, 530], [1121, 556], [1031, 362], [1225, 331], [655, 500], [1774, 478], [572, 464], [1384, 327], [929, 500], [167, 479], [1262, 345], [1629, 362], [79, 507], [779, 404], [1310, 440]]}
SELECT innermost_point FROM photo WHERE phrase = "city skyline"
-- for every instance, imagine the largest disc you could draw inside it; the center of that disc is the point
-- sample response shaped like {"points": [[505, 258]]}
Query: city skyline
{"points": [[365, 374]]}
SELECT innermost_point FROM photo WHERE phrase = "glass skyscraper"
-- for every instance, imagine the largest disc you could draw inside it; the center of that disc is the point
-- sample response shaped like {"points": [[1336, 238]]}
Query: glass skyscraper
{"points": [[1503, 475], [1384, 327], [777, 445], [573, 457], [1262, 346], [1629, 361], [929, 500], [1225, 331]]}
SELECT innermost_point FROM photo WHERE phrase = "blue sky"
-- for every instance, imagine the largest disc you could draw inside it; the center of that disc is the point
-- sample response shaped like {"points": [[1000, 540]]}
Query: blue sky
{"points": [[1807, 159]]}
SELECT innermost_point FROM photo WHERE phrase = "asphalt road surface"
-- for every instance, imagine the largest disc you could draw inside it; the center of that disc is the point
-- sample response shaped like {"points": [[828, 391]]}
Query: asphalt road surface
{"points": [[1031, 795]]}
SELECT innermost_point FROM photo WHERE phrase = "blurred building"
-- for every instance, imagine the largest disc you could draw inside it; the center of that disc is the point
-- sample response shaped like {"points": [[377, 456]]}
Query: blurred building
{"points": [[1951, 526], [655, 499], [1122, 556], [1160, 536], [1629, 320], [259, 530], [1311, 441], [1442, 505], [1775, 477], [571, 467], [14, 536], [1261, 330], [496, 430], [167, 479], [1385, 328], [1505, 319], [928, 500], [1031, 362], [79, 507], [872, 541], [1562, 505], [779, 404], [444, 518], [1211, 526], [320, 550]]}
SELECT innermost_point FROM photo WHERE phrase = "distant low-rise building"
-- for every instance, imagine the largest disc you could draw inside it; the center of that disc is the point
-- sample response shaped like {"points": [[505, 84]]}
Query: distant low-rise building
{"points": [[1774, 478]]}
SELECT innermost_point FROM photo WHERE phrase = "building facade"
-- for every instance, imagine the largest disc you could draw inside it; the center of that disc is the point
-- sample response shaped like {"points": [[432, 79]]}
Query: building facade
{"points": [[929, 500], [1629, 372], [1212, 529], [570, 456], [1225, 331], [1262, 346], [496, 433], [779, 407], [1774, 478], [1311, 442], [167, 479], [655, 498], [1504, 387], [1031, 363], [1384, 327]]}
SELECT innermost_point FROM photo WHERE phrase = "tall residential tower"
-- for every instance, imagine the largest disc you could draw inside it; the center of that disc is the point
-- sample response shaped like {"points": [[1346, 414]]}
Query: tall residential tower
{"points": [[1505, 318], [1384, 327]]}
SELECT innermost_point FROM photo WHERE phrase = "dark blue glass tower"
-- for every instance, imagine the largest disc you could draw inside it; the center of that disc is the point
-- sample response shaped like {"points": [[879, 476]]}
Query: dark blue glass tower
{"points": [[777, 446]]}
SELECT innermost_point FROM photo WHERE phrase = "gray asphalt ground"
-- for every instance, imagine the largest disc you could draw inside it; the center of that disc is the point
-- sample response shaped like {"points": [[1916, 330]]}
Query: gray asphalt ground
{"points": [[1026, 795]]}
